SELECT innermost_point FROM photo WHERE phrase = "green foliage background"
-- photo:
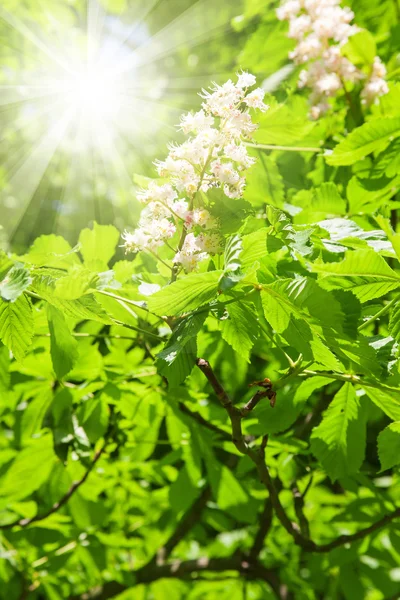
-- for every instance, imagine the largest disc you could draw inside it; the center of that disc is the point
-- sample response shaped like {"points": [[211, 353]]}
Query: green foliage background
{"points": [[127, 468]]}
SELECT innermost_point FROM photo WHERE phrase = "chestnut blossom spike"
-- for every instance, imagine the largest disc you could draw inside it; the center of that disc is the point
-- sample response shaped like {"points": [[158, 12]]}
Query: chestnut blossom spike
{"points": [[213, 156], [321, 28]]}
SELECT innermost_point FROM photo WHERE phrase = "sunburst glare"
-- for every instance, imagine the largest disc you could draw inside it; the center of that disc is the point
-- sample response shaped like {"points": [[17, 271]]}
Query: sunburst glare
{"points": [[102, 91]]}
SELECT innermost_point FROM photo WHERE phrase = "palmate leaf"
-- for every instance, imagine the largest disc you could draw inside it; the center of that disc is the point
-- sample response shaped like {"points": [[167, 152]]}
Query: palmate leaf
{"points": [[16, 325], [186, 294], [365, 139], [363, 272], [389, 446], [297, 309], [84, 308], [339, 441], [302, 298], [51, 250]]}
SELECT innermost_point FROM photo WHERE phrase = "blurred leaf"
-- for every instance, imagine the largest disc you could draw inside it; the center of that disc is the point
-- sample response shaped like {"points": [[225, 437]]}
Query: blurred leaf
{"points": [[15, 283], [389, 446], [16, 325]]}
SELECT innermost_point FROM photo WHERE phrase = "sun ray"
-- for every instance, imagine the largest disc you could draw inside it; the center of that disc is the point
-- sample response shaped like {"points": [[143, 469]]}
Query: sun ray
{"points": [[13, 94], [26, 179], [191, 27], [95, 25], [24, 30], [140, 12]]}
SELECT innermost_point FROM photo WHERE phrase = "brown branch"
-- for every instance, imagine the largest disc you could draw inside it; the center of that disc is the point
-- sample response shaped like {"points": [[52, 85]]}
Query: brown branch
{"points": [[184, 570], [185, 525], [258, 458], [57, 505], [359, 535], [202, 421], [265, 522], [298, 500]]}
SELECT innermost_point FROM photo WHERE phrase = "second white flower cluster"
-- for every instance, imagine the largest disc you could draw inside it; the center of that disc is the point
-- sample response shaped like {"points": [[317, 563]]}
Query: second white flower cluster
{"points": [[321, 28]]}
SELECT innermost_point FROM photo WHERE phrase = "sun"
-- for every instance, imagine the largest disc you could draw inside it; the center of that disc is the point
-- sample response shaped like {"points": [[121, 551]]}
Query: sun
{"points": [[94, 92]]}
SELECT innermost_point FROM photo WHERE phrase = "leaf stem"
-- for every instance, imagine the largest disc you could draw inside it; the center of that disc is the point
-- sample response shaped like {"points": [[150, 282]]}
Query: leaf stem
{"points": [[379, 314], [288, 148]]}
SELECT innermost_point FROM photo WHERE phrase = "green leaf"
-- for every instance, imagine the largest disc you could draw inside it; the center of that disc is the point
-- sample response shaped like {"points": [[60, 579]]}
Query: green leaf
{"points": [[93, 417], [97, 246], [302, 298], [300, 310], [63, 347], [226, 489], [233, 249], [387, 401], [394, 322], [281, 125], [328, 200], [185, 294], [371, 136], [16, 281], [78, 282], [4, 369], [363, 272], [35, 412], [84, 308], [389, 446], [16, 325], [361, 48], [177, 359], [29, 470], [240, 329], [339, 441], [5, 263], [230, 213], [265, 185], [51, 250]]}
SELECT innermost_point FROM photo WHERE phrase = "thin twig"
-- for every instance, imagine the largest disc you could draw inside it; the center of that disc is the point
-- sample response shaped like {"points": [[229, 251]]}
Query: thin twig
{"points": [[298, 501], [57, 505], [265, 522]]}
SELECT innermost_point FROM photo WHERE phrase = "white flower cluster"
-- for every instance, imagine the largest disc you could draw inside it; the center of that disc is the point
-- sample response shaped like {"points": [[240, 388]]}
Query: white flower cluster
{"points": [[321, 28], [213, 156]]}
